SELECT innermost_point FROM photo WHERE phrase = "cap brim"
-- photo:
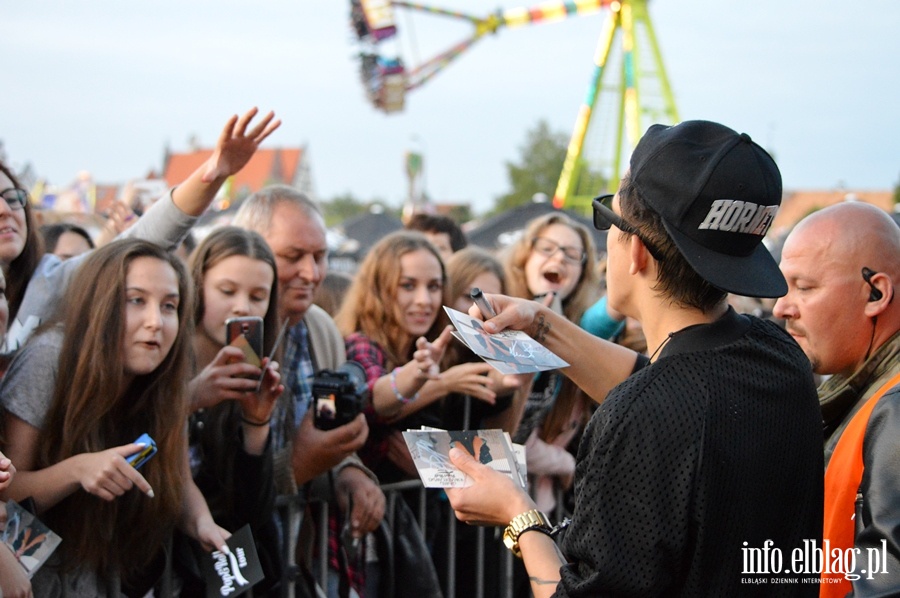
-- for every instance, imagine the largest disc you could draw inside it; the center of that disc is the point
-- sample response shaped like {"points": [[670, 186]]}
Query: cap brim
{"points": [[756, 275]]}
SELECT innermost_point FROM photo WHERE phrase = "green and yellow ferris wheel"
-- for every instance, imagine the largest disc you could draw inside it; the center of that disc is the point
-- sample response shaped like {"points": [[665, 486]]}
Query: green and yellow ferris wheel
{"points": [[628, 89]]}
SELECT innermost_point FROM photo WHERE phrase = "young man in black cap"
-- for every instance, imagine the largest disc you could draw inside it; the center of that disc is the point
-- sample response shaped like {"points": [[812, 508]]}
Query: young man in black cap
{"points": [[700, 473]]}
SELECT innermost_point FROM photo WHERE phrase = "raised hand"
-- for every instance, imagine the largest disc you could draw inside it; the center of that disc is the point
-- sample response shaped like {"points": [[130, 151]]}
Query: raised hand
{"points": [[504, 383], [120, 218], [428, 355], [471, 379], [237, 145]]}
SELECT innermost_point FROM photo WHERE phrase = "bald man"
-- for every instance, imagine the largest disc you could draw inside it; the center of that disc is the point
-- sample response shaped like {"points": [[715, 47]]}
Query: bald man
{"points": [[841, 265]]}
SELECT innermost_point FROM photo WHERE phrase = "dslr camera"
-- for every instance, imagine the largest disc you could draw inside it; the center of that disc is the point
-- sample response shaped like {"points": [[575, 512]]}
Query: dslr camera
{"points": [[338, 395]]}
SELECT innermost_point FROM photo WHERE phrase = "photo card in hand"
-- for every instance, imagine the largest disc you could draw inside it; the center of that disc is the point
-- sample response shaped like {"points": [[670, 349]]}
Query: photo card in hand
{"points": [[430, 451], [27, 537], [509, 351]]}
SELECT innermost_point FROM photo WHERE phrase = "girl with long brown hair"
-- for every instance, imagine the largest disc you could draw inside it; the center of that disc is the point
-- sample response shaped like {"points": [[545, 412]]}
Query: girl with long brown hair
{"points": [[233, 271], [391, 312], [78, 396]]}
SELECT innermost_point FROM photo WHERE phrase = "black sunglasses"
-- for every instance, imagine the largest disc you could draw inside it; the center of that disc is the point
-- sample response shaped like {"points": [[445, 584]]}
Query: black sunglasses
{"points": [[604, 217]]}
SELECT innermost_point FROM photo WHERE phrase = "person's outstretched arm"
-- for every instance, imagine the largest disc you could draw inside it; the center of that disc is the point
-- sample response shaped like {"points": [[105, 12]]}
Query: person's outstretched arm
{"points": [[235, 147], [596, 365], [106, 474], [166, 222], [170, 218]]}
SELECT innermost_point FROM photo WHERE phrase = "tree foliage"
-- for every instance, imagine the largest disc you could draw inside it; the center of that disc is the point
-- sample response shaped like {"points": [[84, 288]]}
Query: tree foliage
{"points": [[537, 171], [460, 213], [338, 209], [540, 164]]}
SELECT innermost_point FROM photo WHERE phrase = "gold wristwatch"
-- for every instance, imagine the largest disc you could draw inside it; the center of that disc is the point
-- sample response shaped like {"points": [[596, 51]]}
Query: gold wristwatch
{"points": [[529, 520]]}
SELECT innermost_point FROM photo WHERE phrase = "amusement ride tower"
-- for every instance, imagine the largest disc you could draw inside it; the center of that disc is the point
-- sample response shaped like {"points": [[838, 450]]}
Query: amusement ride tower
{"points": [[628, 89]]}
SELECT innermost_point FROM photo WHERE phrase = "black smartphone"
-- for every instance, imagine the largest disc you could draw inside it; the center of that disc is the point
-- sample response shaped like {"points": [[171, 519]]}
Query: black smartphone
{"points": [[246, 333]]}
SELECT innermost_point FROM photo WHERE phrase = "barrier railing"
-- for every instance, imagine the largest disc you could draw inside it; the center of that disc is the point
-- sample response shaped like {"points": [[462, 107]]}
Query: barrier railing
{"points": [[289, 505]]}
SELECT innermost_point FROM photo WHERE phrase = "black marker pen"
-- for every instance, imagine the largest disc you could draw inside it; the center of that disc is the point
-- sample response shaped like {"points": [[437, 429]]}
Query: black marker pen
{"points": [[478, 297]]}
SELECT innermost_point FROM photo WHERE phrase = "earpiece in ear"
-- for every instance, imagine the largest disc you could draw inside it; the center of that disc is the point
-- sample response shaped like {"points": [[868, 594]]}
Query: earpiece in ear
{"points": [[874, 294]]}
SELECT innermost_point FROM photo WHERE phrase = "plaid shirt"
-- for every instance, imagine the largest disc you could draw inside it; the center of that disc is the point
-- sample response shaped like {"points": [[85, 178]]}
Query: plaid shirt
{"points": [[370, 356], [296, 372]]}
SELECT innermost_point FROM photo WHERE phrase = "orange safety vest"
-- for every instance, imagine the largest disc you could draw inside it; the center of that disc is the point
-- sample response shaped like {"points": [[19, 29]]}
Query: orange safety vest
{"points": [[842, 479]]}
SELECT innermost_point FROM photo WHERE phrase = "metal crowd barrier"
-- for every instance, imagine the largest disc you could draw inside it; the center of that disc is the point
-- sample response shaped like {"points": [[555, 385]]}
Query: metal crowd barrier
{"points": [[288, 509], [291, 509]]}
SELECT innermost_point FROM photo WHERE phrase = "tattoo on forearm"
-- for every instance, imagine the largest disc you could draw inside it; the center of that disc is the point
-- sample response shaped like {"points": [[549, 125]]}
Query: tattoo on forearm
{"points": [[542, 329], [542, 582]]}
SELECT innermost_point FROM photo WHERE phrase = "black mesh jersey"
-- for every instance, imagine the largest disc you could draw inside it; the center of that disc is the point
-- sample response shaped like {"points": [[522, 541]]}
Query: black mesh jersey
{"points": [[716, 444]]}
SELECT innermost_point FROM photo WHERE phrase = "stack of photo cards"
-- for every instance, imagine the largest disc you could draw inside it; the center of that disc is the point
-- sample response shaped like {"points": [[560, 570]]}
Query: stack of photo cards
{"points": [[30, 540], [430, 450], [509, 351], [234, 573]]}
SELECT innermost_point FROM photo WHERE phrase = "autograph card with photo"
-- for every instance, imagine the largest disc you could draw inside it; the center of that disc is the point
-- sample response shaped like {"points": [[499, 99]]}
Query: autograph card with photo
{"points": [[30, 540], [523, 353], [430, 450], [504, 367]]}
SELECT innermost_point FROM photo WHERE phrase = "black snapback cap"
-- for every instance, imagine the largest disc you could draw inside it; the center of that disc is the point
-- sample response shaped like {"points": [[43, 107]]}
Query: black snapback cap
{"points": [[717, 192]]}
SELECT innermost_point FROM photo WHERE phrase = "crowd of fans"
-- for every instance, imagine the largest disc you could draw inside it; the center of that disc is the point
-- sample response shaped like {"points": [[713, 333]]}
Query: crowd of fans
{"points": [[108, 339], [164, 321]]}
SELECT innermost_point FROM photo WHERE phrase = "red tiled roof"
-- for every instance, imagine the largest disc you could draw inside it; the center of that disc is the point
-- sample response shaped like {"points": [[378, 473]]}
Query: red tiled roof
{"points": [[261, 170]]}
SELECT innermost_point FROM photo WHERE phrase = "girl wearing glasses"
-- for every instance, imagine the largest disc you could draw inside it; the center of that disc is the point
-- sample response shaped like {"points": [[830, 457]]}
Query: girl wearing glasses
{"points": [[554, 255]]}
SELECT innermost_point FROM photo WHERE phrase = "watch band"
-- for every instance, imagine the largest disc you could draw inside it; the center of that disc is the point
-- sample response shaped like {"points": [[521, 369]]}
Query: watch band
{"points": [[521, 523]]}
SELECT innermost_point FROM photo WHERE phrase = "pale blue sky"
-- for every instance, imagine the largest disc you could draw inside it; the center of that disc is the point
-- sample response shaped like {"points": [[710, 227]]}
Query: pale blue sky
{"points": [[103, 86]]}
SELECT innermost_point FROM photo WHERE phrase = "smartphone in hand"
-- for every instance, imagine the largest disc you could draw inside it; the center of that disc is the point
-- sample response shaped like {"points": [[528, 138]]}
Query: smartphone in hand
{"points": [[139, 458], [246, 333]]}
